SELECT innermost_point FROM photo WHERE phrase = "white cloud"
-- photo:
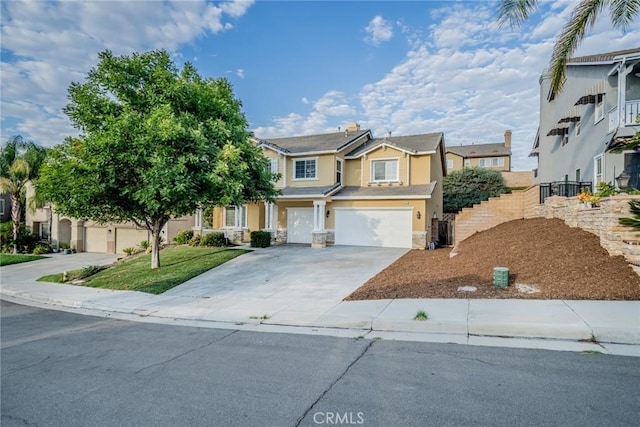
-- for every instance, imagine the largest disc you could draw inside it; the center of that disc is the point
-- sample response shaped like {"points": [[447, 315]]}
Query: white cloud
{"points": [[466, 77], [240, 73], [304, 100], [379, 30], [52, 44]]}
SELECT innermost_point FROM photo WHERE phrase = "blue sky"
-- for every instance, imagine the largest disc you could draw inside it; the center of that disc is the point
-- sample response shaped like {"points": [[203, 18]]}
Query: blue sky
{"points": [[303, 67]]}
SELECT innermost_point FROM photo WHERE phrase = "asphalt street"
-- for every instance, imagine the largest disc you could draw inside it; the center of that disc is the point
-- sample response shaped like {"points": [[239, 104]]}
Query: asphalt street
{"points": [[64, 369]]}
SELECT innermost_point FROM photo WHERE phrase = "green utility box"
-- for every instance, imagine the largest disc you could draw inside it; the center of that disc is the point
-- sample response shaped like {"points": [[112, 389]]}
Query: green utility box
{"points": [[500, 277]]}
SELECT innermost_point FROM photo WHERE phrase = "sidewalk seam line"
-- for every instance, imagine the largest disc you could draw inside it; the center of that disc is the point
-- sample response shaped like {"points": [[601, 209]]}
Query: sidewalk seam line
{"points": [[582, 319]]}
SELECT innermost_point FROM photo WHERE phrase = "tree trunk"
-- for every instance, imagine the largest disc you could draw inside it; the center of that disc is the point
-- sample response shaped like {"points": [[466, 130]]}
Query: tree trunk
{"points": [[155, 243], [16, 208]]}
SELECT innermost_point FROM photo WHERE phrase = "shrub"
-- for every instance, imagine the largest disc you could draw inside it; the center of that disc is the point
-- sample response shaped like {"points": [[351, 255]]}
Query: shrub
{"points": [[90, 271], [129, 251], [41, 249], [465, 187], [64, 245], [26, 241], [213, 239], [144, 245], [195, 240], [183, 237], [260, 239]]}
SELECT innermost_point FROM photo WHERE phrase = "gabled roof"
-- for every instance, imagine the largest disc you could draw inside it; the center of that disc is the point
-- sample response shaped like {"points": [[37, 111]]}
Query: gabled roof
{"points": [[328, 142], [480, 150], [607, 57], [413, 144]]}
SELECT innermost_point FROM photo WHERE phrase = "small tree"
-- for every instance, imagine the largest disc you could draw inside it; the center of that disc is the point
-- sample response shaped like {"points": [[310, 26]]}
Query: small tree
{"points": [[20, 163], [156, 143], [465, 187]]}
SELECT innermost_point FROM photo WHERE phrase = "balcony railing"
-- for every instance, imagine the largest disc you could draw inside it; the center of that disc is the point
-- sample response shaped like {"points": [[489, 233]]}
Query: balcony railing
{"points": [[563, 188], [632, 112], [630, 117]]}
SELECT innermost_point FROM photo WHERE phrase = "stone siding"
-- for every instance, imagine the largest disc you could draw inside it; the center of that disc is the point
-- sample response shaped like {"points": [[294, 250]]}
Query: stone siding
{"points": [[419, 240], [281, 235]]}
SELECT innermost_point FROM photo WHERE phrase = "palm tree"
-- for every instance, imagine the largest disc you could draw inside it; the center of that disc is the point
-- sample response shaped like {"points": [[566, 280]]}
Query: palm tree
{"points": [[20, 162], [584, 16]]}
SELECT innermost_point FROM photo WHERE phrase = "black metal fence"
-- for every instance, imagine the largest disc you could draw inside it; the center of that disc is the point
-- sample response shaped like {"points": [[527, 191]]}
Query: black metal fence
{"points": [[563, 188]]}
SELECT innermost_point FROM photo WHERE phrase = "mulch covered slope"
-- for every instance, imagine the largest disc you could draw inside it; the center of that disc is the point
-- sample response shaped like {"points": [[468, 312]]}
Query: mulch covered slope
{"points": [[560, 261]]}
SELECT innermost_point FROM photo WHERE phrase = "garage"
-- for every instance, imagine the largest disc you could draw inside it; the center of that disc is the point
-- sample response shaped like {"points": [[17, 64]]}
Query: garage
{"points": [[95, 239], [299, 225], [129, 238], [382, 227]]}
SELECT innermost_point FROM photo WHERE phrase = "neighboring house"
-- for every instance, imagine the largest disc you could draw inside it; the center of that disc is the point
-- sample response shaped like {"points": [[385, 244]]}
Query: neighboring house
{"points": [[89, 236], [5, 207], [598, 109], [492, 156], [347, 188]]}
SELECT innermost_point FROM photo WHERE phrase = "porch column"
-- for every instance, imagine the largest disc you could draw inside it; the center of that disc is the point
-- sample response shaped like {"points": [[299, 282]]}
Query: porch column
{"points": [[318, 215], [319, 234], [269, 223]]}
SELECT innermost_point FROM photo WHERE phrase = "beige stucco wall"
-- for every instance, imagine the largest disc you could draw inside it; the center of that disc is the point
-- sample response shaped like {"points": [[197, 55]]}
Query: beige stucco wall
{"points": [[386, 153], [421, 169], [353, 172], [271, 154], [458, 162], [326, 171]]}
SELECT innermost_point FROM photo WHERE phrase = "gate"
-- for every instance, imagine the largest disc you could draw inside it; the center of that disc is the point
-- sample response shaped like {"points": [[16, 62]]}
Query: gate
{"points": [[445, 232]]}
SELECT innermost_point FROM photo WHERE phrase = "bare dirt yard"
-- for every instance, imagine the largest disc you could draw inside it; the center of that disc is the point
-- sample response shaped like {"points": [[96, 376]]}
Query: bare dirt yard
{"points": [[552, 260]]}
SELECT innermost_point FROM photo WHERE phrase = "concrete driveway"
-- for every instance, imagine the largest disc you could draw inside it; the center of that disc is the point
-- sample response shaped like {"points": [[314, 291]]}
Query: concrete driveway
{"points": [[305, 281]]}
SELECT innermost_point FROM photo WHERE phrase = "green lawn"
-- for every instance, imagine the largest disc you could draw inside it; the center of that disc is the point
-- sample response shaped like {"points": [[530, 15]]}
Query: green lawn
{"points": [[8, 259], [177, 266]]}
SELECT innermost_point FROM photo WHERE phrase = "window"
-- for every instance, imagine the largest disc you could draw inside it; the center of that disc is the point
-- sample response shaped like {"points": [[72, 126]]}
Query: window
{"points": [[577, 175], [305, 169], [577, 129], [599, 109], [491, 162], [273, 165], [597, 169], [449, 163], [384, 170], [1, 206], [339, 171], [44, 230], [565, 140], [235, 217], [467, 162]]}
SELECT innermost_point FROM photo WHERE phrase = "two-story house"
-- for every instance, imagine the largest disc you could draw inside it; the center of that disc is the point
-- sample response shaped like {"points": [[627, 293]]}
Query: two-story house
{"points": [[348, 188], [89, 236], [494, 156], [597, 109]]}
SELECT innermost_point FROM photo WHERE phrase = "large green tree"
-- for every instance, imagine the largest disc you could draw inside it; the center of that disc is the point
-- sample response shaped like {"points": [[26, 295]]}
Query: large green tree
{"points": [[465, 187], [20, 163], [156, 143], [583, 17]]}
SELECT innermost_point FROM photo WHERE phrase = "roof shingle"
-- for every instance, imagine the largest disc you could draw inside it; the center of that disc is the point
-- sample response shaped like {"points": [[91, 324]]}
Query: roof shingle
{"points": [[480, 150]]}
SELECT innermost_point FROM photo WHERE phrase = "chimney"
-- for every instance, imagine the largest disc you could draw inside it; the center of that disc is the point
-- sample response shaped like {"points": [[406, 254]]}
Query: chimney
{"points": [[507, 138], [353, 127], [389, 134], [338, 129]]}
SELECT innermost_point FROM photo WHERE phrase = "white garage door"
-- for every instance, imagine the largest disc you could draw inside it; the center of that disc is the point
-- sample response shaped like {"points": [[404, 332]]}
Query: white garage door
{"points": [[129, 238], [299, 225], [385, 227], [95, 239]]}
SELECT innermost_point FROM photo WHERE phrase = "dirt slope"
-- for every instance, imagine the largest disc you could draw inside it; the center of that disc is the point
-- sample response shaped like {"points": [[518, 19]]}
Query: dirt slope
{"points": [[559, 261]]}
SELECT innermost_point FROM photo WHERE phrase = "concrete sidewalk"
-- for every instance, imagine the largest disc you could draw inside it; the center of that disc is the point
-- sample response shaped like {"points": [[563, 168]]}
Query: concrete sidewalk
{"points": [[601, 326]]}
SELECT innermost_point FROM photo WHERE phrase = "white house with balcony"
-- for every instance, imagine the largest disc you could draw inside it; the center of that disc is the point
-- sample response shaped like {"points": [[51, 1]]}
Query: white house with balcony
{"points": [[597, 110]]}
